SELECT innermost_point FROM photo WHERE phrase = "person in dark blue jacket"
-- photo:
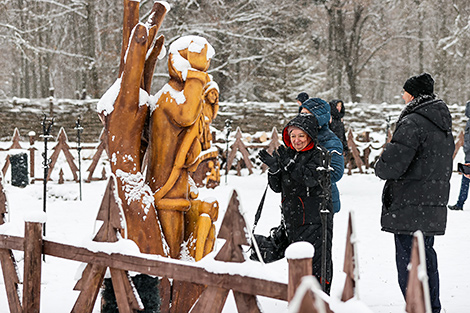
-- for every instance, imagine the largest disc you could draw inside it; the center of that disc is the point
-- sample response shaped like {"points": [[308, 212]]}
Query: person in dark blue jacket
{"points": [[326, 138]]}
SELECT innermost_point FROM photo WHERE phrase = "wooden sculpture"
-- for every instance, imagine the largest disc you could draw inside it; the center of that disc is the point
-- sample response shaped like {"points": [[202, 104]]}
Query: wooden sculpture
{"points": [[160, 136], [176, 128]]}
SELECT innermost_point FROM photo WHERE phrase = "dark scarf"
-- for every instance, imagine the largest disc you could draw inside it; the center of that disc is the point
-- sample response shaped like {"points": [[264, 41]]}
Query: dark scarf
{"points": [[415, 104]]}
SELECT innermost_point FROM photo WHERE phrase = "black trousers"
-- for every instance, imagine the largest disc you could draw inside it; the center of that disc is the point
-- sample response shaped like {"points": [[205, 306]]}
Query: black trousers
{"points": [[403, 256], [313, 233]]}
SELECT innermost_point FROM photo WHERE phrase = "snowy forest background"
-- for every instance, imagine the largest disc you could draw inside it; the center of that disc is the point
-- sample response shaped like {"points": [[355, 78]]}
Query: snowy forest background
{"points": [[266, 50]]}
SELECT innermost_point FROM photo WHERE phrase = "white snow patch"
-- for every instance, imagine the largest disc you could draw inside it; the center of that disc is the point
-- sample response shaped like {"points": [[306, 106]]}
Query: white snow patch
{"points": [[300, 250]]}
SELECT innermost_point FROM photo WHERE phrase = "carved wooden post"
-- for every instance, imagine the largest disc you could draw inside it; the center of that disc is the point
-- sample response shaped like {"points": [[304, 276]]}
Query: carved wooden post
{"points": [[354, 152], [232, 230], [16, 140], [32, 267], [417, 291], [299, 256], [273, 145], [350, 267], [64, 147], [96, 157], [3, 202], [238, 145]]}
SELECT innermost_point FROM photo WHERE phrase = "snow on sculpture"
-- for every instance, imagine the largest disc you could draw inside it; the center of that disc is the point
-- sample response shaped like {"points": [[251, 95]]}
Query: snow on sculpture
{"points": [[154, 141]]}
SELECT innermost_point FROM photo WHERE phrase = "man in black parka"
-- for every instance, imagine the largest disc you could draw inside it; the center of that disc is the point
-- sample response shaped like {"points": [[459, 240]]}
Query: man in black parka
{"points": [[297, 171], [417, 166]]}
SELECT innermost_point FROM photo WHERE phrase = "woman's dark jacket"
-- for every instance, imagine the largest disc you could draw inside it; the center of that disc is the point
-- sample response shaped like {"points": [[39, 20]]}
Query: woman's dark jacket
{"points": [[417, 165], [303, 188], [337, 124]]}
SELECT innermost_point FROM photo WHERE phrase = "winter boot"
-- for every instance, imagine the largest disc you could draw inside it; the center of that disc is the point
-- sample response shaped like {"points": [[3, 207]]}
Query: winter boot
{"points": [[455, 207]]}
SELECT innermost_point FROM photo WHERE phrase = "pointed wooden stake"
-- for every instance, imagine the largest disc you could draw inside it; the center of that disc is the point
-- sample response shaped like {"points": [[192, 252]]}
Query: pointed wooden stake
{"points": [[97, 156], [238, 145], [61, 176], [350, 267], [64, 147], [3, 202], [232, 230], [417, 291], [109, 213], [273, 145], [16, 140]]}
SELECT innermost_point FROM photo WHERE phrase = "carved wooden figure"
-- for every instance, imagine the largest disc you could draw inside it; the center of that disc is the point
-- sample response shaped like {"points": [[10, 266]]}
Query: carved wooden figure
{"points": [[161, 136], [176, 129]]}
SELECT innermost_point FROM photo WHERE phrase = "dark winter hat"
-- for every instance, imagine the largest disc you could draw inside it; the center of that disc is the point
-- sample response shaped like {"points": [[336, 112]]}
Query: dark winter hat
{"points": [[306, 122], [318, 107], [302, 97], [422, 84]]}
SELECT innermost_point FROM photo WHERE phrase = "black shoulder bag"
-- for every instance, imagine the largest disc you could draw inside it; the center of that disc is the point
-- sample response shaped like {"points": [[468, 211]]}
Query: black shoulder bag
{"points": [[272, 247]]}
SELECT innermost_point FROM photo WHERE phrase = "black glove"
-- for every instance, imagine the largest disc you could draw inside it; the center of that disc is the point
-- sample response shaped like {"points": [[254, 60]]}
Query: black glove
{"points": [[287, 163], [269, 160]]}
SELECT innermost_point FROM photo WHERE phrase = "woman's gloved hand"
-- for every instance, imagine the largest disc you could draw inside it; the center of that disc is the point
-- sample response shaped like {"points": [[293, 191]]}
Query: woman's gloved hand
{"points": [[270, 160], [287, 163]]}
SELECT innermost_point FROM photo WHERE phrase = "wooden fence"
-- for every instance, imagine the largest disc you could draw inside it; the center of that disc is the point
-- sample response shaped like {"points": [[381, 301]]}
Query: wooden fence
{"points": [[302, 291], [241, 155], [216, 286]]}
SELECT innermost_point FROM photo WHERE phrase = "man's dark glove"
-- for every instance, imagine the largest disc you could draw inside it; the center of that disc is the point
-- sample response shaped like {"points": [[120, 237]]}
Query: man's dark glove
{"points": [[287, 163], [269, 160]]}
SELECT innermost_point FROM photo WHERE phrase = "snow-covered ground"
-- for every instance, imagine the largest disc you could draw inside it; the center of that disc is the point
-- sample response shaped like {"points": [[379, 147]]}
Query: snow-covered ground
{"points": [[72, 221]]}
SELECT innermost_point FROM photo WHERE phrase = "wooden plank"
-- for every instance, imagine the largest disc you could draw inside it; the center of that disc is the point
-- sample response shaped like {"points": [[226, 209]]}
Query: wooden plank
{"points": [[184, 296], [165, 295], [32, 267], [348, 265], [125, 298], [184, 272], [90, 288], [246, 303], [10, 277], [212, 300]]}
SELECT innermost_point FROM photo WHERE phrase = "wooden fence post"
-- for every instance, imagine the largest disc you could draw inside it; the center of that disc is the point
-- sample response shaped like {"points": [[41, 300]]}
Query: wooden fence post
{"points": [[32, 267], [273, 145], [306, 299], [350, 266], [232, 229], [417, 290], [238, 145], [299, 257], [355, 153], [96, 157], [64, 147]]}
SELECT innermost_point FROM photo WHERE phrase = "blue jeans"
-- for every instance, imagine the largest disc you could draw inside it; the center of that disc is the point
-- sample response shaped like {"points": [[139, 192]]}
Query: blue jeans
{"points": [[403, 256], [463, 191]]}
